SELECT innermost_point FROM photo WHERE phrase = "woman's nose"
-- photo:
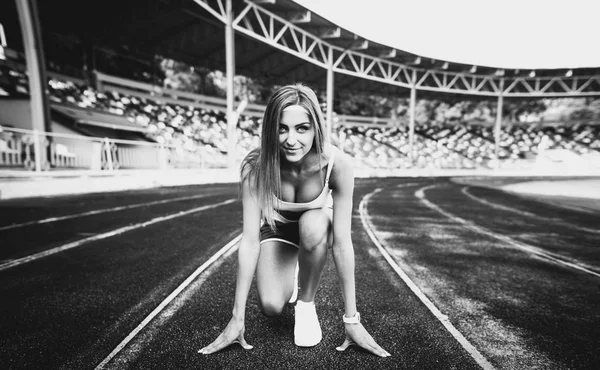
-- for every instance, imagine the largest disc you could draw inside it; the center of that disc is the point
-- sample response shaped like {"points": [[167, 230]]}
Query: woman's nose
{"points": [[291, 138]]}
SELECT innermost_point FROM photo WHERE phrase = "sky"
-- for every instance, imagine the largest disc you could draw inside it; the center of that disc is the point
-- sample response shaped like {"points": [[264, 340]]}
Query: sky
{"points": [[511, 34]]}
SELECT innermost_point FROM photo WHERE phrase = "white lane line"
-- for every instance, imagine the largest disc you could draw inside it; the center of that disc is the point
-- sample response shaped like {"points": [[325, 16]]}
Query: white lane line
{"points": [[465, 191], [526, 247], [229, 247], [99, 211], [407, 184], [108, 234], [477, 356]]}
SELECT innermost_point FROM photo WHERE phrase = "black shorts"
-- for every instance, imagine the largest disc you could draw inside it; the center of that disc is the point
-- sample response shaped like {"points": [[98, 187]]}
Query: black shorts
{"points": [[288, 233]]}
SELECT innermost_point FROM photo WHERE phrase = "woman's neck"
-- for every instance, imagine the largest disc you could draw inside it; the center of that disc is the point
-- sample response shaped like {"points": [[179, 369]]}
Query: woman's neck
{"points": [[306, 164]]}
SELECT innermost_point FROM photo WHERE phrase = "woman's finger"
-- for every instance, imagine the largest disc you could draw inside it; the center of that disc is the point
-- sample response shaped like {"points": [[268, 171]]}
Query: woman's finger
{"points": [[220, 344], [347, 343], [214, 347], [207, 350], [375, 348], [243, 343]]}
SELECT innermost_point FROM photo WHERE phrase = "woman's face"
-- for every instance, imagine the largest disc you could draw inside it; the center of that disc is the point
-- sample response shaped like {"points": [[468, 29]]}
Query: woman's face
{"points": [[296, 133]]}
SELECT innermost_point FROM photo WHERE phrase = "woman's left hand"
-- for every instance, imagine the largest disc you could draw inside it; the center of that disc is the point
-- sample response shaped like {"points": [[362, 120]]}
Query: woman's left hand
{"points": [[357, 334]]}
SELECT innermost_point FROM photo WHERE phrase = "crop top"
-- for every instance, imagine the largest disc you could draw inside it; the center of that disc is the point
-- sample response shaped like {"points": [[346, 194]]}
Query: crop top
{"points": [[323, 200]]}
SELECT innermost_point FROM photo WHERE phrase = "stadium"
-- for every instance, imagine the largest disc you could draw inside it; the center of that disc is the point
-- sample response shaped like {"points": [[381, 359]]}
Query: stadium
{"points": [[122, 128]]}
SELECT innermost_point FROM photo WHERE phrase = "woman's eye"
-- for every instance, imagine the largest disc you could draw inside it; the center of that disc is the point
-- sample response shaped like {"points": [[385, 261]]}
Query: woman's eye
{"points": [[282, 129], [302, 129]]}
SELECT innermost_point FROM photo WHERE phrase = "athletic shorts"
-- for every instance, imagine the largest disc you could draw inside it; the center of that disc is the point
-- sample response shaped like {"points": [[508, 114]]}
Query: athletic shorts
{"points": [[286, 232]]}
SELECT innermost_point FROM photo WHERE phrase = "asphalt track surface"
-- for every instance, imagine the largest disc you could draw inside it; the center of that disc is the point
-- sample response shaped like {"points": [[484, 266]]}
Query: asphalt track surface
{"points": [[474, 278]]}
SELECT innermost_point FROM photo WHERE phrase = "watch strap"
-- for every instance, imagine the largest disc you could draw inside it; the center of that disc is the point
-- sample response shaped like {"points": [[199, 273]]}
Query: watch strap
{"points": [[352, 320]]}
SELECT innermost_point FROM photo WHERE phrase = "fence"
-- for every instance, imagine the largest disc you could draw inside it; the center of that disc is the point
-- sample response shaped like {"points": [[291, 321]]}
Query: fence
{"points": [[19, 148]]}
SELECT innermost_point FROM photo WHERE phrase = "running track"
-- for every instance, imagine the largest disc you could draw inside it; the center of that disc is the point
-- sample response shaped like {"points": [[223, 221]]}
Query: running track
{"points": [[448, 276]]}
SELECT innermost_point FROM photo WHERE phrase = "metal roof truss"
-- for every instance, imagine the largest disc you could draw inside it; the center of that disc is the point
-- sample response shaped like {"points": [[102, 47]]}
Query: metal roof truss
{"points": [[284, 34]]}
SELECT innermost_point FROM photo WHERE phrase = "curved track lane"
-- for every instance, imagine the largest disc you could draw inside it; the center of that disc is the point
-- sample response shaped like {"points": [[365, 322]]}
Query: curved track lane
{"points": [[392, 314], [139, 299], [519, 310], [70, 309]]}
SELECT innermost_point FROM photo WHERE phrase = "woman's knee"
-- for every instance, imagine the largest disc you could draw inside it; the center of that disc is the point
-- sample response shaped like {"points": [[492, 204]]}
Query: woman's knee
{"points": [[314, 226], [271, 307]]}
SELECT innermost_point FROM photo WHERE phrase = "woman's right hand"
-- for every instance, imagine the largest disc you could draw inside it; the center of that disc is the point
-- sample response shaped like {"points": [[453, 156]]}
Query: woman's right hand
{"points": [[233, 333]]}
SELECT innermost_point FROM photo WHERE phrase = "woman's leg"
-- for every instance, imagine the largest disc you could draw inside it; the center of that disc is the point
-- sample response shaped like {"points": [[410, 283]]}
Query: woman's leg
{"points": [[315, 236], [275, 274], [314, 232]]}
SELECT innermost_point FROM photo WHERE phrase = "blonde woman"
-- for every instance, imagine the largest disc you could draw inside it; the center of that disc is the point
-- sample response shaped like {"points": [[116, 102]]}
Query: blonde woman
{"points": [[297, 202]]}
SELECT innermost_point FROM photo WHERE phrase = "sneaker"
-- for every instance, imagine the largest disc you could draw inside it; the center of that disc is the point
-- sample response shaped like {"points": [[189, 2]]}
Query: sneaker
{"points": [[307, 330], [295, 293]]}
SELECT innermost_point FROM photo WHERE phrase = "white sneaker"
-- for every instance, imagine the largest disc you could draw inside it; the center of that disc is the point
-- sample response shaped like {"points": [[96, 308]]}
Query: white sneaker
{"points": [[307, 330], [295, 293]]}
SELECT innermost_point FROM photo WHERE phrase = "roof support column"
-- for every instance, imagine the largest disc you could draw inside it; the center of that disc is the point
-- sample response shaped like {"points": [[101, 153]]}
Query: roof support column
{"points": [[230, 74], [330, 95], [36, 69], [411, 122], [498, 124]]}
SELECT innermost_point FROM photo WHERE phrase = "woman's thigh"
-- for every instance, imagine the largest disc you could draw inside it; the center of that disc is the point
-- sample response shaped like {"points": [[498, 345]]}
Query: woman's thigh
{"points": [[315, 227], [275, 274]]}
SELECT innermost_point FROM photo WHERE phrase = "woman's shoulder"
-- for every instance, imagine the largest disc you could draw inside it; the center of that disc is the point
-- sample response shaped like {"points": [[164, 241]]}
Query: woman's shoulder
{"points": [[342, 163], [249, 165], [251, 159], [336, 155], [252, 155]]}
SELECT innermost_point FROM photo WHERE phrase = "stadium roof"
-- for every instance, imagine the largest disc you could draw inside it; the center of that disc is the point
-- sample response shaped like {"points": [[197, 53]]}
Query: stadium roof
{"points": [[514, 34], [193, 31]]}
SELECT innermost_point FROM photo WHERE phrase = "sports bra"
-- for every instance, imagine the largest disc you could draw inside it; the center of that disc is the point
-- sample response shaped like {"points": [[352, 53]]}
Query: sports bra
{"points": [[323, 200]]}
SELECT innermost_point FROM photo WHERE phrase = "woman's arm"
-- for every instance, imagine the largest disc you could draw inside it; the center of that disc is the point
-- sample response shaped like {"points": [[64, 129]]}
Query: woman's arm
{"points": [[248, 254], [249, 249], [342, 185]]}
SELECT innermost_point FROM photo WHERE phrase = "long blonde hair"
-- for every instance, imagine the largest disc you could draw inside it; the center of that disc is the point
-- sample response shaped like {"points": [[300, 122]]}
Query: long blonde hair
{"points": [[263, 163]]}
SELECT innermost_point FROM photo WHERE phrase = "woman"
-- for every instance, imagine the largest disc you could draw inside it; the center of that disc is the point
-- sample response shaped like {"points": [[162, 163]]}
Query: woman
{"points": [[301, 190]]}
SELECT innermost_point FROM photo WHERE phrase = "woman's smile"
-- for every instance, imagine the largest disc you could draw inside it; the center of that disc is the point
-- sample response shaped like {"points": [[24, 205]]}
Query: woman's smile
{"points": [[291, 150]]}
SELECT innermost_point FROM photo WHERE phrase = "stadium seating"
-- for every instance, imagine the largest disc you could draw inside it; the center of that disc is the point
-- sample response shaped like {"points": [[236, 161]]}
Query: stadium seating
{"points": [[451, 145]]}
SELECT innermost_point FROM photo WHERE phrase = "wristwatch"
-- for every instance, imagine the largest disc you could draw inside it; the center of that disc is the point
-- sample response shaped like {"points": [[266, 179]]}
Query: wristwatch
{"points": [[351, 320]]}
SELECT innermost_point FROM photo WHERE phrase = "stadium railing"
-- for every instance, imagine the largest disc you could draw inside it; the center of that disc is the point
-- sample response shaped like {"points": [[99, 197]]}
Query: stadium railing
{"points": [[19, 148]]}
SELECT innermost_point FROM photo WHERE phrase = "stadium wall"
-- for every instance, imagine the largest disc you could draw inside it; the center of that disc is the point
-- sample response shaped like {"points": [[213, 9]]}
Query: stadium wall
{"points": [[24, 184], [15, 113]]}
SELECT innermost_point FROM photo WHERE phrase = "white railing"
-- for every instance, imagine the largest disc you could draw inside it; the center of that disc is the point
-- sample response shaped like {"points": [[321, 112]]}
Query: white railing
{"points": [[18, 148], [66, 151]]}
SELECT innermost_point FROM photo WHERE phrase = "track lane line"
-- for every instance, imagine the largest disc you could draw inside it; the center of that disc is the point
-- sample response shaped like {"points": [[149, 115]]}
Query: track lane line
{"points": [[516, 244], [121, 230], [224, 251], [99, 211], [465, 191], [443, 319]]}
